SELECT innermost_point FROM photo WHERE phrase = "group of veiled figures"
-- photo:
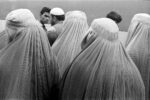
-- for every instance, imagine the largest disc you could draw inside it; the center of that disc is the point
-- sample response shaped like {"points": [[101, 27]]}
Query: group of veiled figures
{"points": [[84, 63]]}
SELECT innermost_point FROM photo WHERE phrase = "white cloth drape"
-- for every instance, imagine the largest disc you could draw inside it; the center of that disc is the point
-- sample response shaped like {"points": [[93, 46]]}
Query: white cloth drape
{"points": [[68, 44], [28, 70], [103, 70], [139, 50]]}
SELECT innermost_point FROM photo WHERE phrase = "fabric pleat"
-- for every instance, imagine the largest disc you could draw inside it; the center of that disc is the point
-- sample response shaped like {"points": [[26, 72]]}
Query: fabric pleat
{"points": [[3, 39], [3, 35]]}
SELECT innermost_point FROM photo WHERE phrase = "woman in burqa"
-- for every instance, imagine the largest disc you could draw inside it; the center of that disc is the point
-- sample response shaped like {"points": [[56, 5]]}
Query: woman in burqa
{"points": [[103, 70], [67, 46], [28, 70], [135, 26], [139, 49]]}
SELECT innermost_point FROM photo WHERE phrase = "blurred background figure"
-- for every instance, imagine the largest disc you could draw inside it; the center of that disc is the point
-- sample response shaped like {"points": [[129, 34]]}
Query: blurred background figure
{"points": [[28, 70], [103, 70], [67, 45], [117, 18], [114, 16], [138, 47], [58, 16], [45, 18]]}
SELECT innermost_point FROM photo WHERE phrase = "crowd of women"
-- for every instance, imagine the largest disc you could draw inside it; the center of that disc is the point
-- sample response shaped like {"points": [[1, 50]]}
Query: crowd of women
{"points": [[84, 63]]}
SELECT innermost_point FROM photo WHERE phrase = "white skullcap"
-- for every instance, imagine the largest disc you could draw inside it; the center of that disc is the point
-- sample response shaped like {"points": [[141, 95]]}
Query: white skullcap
{"points": [[141, 17], [57, 11], [76, 14], [20, 17], [106, 23]]}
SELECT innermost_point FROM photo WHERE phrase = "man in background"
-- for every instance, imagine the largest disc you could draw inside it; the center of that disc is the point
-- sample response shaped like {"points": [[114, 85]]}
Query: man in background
{"points": [[45, 18], [122, 36], [58, 16], [114, 16]]}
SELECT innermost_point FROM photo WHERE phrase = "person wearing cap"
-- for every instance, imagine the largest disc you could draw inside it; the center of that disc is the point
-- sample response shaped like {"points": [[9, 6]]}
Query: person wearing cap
{"points": [[28, 69], [58, 16], [103, 70], [45, 18]]}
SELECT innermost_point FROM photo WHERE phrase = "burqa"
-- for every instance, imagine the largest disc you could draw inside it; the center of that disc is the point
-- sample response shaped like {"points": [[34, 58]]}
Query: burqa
{"points": [[139, 49], [67, 46], [103, 70], [28, 69]]}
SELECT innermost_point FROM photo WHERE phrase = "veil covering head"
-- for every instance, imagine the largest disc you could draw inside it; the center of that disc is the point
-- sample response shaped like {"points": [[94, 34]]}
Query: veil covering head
{"points": [[100, 27], [138, 23], [67, 46], [139, 50], [3, 39], [28, 70], [103, 70]]}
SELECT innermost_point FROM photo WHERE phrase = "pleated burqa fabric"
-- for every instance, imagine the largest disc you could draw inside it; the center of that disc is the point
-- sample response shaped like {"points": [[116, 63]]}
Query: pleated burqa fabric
{"points": [[135, 26], [3, 35], [3, 39], [103, 70], [28, 70], [139, 50], [67, 46]]}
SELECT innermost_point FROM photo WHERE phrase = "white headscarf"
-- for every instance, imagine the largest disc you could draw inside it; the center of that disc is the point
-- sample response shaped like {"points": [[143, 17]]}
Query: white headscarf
{"points": [[106, 24], [18, 19], [103, 27], [138, 22], [23, 17], [28, 69]]}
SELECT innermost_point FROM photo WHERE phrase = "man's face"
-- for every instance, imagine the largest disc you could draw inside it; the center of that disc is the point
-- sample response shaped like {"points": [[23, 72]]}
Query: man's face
{"points": [[46, 18], [53, 20]]}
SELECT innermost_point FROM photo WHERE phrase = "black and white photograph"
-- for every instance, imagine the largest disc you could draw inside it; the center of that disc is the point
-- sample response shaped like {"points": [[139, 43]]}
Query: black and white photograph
{"points": [[74, 49]]}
